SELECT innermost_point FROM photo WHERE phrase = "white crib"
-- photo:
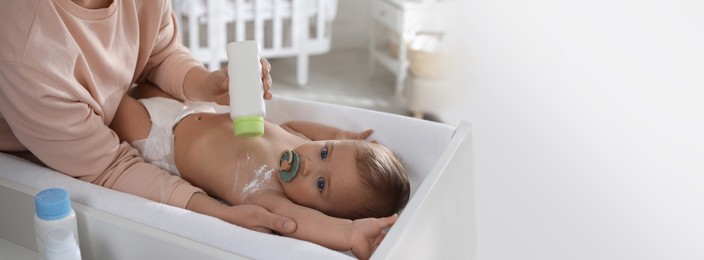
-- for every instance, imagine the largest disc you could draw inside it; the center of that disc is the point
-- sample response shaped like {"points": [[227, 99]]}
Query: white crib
{"points": [[284, 28]]}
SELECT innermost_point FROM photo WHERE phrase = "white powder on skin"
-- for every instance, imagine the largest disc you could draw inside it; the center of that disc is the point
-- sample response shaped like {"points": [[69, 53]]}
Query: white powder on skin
{"points": [[261, 177], [246, 159]]}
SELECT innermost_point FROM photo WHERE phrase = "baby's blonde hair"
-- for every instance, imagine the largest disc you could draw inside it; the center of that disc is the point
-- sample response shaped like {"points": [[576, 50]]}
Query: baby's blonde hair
{"points": [[384, 177]]}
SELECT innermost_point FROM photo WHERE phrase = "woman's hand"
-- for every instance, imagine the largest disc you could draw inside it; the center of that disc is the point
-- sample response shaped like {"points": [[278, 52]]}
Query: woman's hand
{"points": [[266, 78], [219, 82], [214, 85], [259, 219], [248, 216], [368, 233]]}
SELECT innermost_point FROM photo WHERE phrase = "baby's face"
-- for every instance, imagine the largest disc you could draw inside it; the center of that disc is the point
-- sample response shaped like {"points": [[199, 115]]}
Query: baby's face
{"points": [[327, 178]]}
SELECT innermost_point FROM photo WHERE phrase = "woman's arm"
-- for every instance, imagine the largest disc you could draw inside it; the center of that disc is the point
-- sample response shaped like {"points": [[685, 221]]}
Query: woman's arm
{"points": [[249, 216], [316, 131], [361, 236]]}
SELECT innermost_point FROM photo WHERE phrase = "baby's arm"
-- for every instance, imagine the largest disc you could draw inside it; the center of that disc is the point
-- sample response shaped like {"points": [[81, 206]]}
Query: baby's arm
{"points": [[316, 131], [361, 236]]}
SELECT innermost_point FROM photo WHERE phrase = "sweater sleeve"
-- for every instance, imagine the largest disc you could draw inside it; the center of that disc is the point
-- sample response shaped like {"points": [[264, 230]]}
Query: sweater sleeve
{"points": [[62, 125], [169, 61]]}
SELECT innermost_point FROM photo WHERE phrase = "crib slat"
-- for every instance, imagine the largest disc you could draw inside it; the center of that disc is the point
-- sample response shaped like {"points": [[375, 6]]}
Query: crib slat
{"points": [[277, 33], [216, 29], [320, 20], [259, 22], [300, 32], [282, 27], [296, 28], [240, 20]]}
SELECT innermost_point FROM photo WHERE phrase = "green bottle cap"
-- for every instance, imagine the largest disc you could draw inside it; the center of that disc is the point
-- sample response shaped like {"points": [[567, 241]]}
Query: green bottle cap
{"points": [[249, 126]]}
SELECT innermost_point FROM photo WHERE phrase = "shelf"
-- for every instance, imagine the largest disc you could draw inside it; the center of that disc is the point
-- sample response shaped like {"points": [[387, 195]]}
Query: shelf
{"points": [[390, 63]]}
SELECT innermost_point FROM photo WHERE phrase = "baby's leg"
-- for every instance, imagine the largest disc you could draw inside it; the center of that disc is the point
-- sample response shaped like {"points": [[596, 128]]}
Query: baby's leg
{"points": [[131, 121], [148, 90]]}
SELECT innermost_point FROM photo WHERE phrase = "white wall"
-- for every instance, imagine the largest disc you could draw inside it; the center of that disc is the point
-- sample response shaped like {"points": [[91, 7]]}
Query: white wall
{"points": [[588, 120]]}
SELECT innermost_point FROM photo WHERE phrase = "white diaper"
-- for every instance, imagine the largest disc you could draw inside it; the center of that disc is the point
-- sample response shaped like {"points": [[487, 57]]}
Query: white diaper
{"points": [[165, 113]]}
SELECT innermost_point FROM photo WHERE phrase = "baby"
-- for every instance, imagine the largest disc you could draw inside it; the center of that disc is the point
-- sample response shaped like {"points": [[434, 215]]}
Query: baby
{"points": [[338, 188]]}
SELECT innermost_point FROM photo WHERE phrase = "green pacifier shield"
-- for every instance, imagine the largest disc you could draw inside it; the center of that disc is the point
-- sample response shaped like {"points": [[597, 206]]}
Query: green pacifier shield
{"points": [[288, 165]]}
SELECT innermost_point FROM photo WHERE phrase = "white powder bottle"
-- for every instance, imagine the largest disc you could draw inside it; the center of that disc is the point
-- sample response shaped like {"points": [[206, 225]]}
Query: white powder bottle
{"points": [[53, 211], [247, 108]]}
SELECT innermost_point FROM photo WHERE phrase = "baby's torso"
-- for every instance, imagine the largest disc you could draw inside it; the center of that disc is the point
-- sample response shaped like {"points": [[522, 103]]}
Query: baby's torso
{"points": [[210, 156]]}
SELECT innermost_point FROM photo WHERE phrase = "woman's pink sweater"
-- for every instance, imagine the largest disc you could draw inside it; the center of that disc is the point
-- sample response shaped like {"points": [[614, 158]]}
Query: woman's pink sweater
{"points": [[63, 71]]}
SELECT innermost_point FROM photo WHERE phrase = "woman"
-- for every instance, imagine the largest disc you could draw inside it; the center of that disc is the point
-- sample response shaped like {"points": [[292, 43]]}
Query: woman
{"points": [[65, 65]]}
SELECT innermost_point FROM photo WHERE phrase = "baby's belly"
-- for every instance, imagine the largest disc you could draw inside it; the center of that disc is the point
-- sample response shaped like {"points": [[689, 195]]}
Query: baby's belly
{"points": [[240, 167]]}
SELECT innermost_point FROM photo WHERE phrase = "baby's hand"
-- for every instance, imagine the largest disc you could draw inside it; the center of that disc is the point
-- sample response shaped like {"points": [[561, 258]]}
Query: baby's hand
{"points": [[346, 135], [367, 234]]}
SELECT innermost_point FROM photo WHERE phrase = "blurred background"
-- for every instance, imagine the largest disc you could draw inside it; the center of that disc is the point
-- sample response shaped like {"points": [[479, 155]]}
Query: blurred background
{"points": [[356, 60]]}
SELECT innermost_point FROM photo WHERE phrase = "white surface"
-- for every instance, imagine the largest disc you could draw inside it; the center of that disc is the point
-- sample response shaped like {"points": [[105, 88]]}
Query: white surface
{"points": [[587, 123], [9, 250], [440, 222], [103, 235]]}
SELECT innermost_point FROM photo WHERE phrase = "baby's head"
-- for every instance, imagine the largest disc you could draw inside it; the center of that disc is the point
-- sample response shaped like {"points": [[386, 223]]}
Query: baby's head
{"points": [[349, 179], [385, 180]]}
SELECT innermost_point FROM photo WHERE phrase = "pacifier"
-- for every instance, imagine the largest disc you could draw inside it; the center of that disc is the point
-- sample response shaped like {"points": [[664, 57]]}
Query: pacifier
{"points": [[288, 165]]}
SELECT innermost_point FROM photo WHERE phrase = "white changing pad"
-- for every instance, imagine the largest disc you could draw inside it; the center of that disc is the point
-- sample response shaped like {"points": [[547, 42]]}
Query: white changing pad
{"points": [[419, 144]]}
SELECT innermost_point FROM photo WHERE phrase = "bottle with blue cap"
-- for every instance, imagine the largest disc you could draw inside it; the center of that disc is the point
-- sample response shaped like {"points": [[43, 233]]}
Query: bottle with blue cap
{"points": [[53, 212], [61, 245]]}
